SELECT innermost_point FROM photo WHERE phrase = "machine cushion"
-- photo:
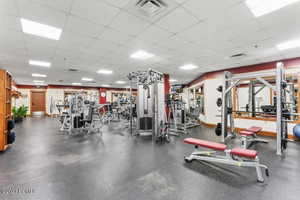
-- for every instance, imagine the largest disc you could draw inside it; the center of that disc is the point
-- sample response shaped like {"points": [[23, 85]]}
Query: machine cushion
{"points": [[206, 144], [244, 152], [247, 133], [254, 129]]}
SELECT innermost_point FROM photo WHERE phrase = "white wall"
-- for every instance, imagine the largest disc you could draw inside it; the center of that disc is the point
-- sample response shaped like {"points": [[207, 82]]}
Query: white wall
{"points": [[56, 95], [211, 109]]}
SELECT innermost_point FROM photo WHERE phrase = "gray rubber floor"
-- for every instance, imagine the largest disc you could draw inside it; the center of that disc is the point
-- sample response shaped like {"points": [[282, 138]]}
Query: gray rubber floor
{"points": [[45, 164]]}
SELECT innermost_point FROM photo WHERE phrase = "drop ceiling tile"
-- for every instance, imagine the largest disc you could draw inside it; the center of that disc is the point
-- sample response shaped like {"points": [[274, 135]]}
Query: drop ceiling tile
{"points": [[10, 22], [118, 3], [8, 7], [63, 5], [101, 46], [31, 40], [73, 41], [115, 36], [129, 24], [41, 14], [41, 53], [153, 34], [205, 9], [95, 11], [83, 27], [177, 20]]}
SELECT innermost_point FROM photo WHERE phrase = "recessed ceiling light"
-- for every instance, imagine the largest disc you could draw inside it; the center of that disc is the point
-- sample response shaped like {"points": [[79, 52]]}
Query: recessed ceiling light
{"points": [[105, 85], [172, 80], [289, 44], [39, 63], [141, 55], [188, 67], [86, 79], [39, 75], [38, 81], [263, 7], [41, 30], [76, 83], [104, 71], [120, 82]]}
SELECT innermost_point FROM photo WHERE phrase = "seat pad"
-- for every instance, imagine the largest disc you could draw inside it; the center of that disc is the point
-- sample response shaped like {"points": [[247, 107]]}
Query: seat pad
{"points": [[247, 133], [244, 152], [254, 129], [205, 143]]}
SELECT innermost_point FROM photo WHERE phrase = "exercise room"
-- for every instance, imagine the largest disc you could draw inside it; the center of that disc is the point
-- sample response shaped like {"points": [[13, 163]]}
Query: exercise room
{"points": [[150, 99]]}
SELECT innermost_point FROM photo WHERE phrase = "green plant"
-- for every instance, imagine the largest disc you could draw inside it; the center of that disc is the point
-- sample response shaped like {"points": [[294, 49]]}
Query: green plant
{"points": [[23, 110], [19, 112]]}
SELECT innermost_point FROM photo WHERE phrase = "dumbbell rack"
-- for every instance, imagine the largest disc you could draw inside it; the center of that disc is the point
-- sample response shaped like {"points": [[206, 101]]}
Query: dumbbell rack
{"points": [[5, 106]]}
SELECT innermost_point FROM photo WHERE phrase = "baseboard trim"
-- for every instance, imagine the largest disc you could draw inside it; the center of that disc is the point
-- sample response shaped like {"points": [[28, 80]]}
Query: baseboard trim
{"points": [[263, 133]]}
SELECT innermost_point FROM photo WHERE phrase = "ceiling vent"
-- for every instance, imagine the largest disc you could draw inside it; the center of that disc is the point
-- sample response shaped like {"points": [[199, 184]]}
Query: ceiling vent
{"points": [[239, 55], [73, 70], [150, 8]]}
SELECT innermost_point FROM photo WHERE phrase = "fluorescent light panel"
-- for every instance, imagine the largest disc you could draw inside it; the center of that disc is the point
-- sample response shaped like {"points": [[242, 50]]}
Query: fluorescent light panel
{"points": [[104, 71], [289, 44], [38, 81], [120, 82], [39, 75], [76, 83], [105, 85], [172, 80], [188, 67], [39, 63], [141, 55], [87, 79], [41, 30], [263, 7]]}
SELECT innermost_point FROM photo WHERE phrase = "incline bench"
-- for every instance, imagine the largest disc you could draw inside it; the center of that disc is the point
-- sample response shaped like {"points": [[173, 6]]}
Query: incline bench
{"points": [[237, 156], [249, 136]]}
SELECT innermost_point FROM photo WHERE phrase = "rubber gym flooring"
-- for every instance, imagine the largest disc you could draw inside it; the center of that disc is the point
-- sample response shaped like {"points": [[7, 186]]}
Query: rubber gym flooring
{"points": [[46, 164]]}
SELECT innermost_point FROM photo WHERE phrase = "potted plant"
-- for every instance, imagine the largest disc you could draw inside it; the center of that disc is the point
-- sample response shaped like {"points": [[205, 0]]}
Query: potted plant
{"points": [[23, 111], [19, 113]]}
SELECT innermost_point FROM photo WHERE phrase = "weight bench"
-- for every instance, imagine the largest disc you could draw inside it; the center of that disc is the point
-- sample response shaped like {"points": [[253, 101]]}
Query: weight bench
{"points": [[249, 137], [237, 156]]}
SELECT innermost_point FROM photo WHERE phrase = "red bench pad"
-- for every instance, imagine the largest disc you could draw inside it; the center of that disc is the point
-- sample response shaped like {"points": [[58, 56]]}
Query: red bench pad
{"points": [[247, 133], [244, 152], [254, 129], [206, 144]]}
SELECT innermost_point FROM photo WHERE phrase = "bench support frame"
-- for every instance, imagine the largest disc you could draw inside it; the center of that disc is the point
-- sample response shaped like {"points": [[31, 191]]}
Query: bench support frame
{"points": [[229, 159]]}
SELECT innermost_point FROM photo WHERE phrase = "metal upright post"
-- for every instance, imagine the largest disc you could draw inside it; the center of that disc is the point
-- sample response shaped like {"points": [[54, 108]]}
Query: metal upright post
{"points": [[131, 113], [224, 108], [279, 128], [252, 98]]}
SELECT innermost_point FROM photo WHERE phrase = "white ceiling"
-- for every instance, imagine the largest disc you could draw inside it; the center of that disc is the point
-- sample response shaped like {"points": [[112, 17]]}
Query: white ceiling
{"points": [[103, 33]]}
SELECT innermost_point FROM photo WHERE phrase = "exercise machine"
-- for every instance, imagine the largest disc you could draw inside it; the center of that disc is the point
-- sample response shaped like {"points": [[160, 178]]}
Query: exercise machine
{"points": [[236, 157], [79, 115], [150, 104], [249, 137], [283, 114]]}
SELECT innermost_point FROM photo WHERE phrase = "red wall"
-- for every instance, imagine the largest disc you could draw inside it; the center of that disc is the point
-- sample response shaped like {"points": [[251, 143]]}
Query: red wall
{"points": [[167, 88], [289, 63], [102, 100]]}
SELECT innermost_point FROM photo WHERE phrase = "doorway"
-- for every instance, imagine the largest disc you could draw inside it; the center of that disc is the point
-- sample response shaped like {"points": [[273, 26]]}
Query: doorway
{"points": [[38, 103]]}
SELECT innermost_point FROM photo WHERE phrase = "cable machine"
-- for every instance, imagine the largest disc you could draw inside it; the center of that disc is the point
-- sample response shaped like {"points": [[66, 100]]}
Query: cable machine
{"points": [[283, 114], [150, 104]]}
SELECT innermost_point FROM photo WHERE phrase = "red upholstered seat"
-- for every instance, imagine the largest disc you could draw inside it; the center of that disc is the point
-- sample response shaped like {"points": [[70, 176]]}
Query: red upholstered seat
{"points": [[254, 129], [247, 133], [244, 152], [206, 144]]}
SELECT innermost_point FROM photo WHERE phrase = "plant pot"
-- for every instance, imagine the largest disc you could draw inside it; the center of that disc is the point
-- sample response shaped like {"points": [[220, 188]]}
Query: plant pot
{"points": [[18, 119]]}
